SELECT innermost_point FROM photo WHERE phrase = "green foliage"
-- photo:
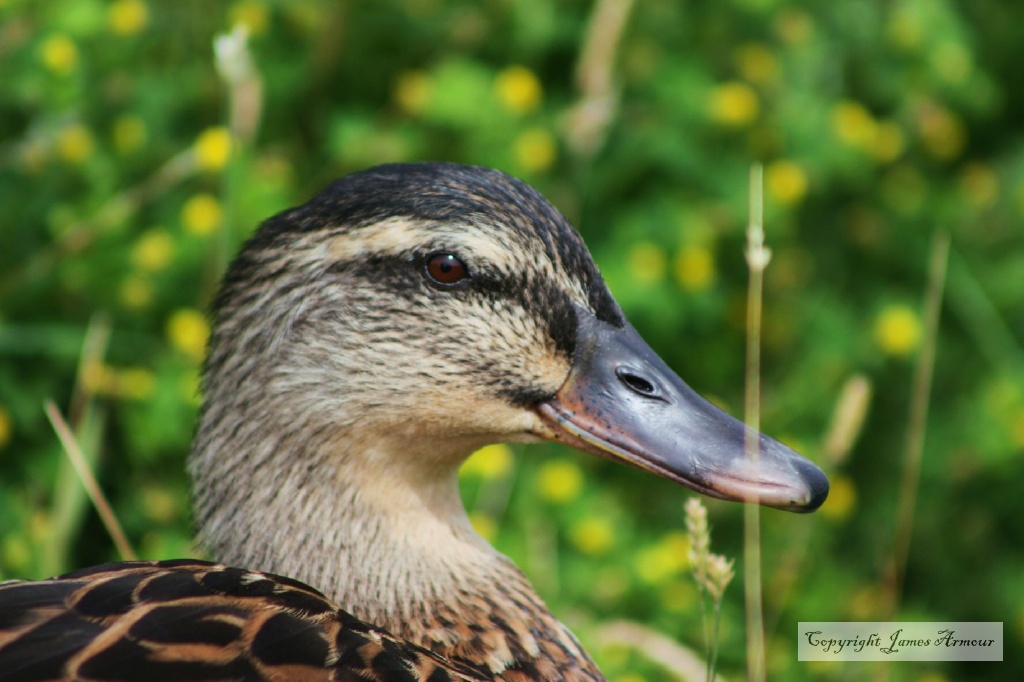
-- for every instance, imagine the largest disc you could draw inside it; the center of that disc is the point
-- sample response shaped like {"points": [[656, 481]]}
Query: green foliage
{"points": [[127, 179]]}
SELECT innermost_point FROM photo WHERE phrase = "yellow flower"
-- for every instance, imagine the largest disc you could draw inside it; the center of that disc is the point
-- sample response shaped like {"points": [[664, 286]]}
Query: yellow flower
{"points": [[484, 525], [888, 143], [943, 134], [136, 292], [490, 462], [898, 330], [412, 91], [127, 17], [679, 596], [40, 525], [786, 181], [535, 149], [559, 481], [153, 250], [734, 104], [658, 563], [677, 543], [99, 379], [647, 262], [201, 214], [842, 498], [519, 91], [252, 14], [594, 535], [75, 143], [129, 133], [158, 504], [794, 26], [695, 267], [17, 553], [6, 427], [979, 185], [136, 383], [213, 148], [59, 54], [130, 382], [854, 124], [188, 331], [757, 63]]}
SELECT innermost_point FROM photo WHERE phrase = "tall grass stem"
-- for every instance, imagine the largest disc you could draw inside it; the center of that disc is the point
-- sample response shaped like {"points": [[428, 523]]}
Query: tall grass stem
{"points": [[87, 418], [758, 256], [92, 487], [918, 418]]}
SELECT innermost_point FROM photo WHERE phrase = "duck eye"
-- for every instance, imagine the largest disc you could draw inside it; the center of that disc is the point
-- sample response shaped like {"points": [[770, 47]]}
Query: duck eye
{"points": [[444, 268]]}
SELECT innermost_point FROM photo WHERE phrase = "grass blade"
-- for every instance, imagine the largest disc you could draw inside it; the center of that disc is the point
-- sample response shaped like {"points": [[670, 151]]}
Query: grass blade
{"points": [[69, 503], [89, 482], [918, 418], [758, 256]]}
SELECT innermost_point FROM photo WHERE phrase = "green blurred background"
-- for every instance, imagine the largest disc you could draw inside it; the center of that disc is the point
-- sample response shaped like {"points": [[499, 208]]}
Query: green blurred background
{"points": [[131, 168]]}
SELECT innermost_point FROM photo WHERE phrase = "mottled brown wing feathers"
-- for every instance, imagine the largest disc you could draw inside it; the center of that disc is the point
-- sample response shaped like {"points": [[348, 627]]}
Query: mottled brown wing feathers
{"points": [[197, 621]]}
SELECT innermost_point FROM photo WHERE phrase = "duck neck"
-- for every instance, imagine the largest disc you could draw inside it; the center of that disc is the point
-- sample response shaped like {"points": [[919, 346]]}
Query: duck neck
{"points": [[379, 526]]}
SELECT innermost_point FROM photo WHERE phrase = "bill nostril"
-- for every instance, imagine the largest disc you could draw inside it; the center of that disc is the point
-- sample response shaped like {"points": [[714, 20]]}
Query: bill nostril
{"points": [[636, 383]]}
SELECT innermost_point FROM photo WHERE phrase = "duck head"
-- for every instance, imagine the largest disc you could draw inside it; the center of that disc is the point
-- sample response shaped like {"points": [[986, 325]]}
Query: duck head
{"points": [[416, 312]]}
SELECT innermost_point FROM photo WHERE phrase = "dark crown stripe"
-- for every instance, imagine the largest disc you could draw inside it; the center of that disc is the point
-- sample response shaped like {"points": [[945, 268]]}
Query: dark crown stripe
{"points": [[440, 193]]}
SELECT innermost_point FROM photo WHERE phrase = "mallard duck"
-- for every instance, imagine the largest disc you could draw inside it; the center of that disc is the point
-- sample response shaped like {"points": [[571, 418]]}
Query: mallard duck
{"points": [[363, 345]]}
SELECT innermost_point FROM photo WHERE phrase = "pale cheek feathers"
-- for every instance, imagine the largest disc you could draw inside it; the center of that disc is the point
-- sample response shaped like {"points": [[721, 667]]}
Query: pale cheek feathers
{"points": [[542, 364], [472, 366], [446, 365], [481, 344]]}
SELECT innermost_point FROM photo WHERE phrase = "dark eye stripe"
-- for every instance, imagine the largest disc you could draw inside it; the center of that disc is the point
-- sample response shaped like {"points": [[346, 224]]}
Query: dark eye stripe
{"points": [[540, 297]]}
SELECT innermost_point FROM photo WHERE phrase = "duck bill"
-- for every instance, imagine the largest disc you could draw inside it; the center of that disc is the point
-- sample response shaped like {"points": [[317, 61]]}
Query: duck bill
{"points": [[622, 402]]}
